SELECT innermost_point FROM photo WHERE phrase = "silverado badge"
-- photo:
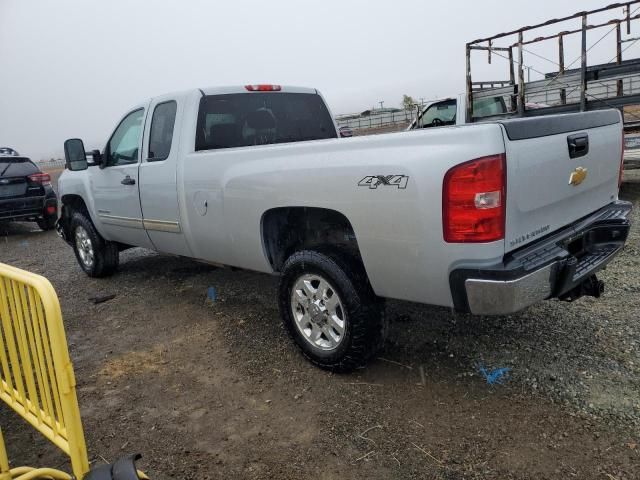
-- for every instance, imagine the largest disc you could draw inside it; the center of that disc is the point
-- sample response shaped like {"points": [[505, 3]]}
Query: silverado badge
{"points": [[578, 176]]}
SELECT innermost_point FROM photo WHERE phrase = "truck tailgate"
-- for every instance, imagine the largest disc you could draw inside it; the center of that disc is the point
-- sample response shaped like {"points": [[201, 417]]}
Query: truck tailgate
{"points": [[559, 169]]}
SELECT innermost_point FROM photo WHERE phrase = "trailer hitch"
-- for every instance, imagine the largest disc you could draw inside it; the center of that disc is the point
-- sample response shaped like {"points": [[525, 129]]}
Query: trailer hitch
{"points": [[591, 287]]}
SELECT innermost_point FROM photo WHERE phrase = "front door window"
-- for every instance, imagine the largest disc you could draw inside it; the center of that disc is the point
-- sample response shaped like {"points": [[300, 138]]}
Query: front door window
{"points": [[124, 146]]}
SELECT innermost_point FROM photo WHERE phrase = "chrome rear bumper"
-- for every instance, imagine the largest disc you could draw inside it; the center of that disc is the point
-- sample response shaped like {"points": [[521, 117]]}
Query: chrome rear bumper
{"points": [[492, 297], [562, 265]]}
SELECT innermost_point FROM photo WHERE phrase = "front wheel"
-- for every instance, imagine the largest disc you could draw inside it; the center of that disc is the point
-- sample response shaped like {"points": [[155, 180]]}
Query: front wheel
{"points": [[96, 256], [330, 310]]}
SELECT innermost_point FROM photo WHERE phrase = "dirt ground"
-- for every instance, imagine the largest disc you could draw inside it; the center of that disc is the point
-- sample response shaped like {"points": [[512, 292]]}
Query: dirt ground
{"points": [[216, 390]]}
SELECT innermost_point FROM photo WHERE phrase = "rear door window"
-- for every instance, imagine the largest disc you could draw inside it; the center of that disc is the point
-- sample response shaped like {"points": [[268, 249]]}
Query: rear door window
{"points": [[249, 119], [161, 135]]}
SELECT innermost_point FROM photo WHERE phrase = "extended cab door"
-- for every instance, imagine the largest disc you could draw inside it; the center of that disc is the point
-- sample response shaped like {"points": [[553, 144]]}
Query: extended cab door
{"points": [[158, 172], [115, 187]]}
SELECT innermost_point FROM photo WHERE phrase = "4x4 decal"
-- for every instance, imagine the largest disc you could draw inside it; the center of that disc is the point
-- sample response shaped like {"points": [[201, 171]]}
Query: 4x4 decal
{"points": [[375, 181]]}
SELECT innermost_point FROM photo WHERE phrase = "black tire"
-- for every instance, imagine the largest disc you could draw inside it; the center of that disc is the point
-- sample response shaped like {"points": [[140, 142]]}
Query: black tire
{"points": [[106, 256], [47, 223], [364, 324]]}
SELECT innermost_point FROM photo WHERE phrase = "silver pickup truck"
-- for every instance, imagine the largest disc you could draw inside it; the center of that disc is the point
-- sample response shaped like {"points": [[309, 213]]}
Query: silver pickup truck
{"points": [[485, 218]]}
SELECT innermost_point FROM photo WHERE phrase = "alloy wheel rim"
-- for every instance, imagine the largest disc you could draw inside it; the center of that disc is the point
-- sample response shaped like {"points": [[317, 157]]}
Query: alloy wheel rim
{"points": [[318, 312], [85, 247]]}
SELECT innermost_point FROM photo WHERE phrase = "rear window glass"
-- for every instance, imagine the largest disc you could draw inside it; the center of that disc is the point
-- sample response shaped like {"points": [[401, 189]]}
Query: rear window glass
{"points": [[17, 167], [485, 107], [248, 119]]}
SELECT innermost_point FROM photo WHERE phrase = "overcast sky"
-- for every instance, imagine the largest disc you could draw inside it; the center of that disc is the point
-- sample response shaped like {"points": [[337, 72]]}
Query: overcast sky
{"points": [[71, 68]]}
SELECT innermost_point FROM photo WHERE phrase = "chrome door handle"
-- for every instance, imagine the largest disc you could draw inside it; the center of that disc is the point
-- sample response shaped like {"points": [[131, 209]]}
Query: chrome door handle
{"points": [[128, 181]]}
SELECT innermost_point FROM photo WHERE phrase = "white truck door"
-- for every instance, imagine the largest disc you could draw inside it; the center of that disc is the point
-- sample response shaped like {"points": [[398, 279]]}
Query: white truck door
{"points": [[158, 172], [115, 187]]}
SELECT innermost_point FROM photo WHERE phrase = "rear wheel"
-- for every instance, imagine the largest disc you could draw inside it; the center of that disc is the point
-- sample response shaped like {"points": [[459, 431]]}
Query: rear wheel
{"points": [[330, 310], [48, 222], [96, 256]]}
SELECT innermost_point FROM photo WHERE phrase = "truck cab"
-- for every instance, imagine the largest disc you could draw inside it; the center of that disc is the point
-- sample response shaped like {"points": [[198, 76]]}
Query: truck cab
{"points": [[452, 111], [132, 191]]}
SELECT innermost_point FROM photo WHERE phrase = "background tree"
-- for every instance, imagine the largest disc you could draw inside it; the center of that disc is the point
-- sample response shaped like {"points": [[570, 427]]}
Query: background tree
{"points": [[408, 103]]}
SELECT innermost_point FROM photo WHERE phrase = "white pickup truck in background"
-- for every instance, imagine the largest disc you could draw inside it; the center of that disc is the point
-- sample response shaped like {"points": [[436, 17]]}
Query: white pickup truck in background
{"points": [[452, 111], [486, 218]]}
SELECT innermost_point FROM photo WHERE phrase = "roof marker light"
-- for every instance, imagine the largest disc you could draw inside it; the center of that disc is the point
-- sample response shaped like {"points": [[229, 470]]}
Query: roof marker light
{"points": [[263, 88]]}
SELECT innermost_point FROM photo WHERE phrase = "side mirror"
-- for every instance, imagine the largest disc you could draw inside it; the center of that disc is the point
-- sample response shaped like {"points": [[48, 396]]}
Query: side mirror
{"points": [[97, 158], [346, 132], [74, 155]]}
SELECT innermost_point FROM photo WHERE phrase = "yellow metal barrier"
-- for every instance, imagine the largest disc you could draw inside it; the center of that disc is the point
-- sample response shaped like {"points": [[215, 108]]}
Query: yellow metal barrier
{"points": [[36, 374]]}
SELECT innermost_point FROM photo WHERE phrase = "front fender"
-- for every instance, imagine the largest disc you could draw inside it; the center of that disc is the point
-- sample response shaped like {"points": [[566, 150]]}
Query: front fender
{"points": [[74, 193], [63, 223]]}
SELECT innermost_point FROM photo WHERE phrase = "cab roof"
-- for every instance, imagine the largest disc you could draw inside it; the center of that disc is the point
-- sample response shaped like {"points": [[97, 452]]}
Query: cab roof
{"points": [[243, 89]]}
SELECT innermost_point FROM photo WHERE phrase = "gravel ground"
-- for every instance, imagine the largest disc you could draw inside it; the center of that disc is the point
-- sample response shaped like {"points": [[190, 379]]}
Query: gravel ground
{"points": [[216, 390]]}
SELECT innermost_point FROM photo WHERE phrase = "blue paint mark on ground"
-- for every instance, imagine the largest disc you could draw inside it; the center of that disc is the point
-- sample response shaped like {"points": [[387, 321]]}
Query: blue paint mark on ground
{"points": [[212, 294], [495, 376]]}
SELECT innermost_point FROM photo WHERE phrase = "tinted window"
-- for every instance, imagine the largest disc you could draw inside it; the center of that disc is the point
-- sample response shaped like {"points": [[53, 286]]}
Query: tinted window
{"points": [[17, 167], [125, 142], [164, 117], [246, 119]]}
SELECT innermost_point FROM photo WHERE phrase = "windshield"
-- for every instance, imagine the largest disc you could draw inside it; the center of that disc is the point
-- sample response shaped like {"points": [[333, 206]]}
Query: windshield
{"points": [[439, 114], [248, 119]]}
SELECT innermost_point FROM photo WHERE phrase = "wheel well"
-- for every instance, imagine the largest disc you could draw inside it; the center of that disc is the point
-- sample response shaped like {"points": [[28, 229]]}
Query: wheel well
{"points": [[290, 229], [74, 202], [70, 203]]}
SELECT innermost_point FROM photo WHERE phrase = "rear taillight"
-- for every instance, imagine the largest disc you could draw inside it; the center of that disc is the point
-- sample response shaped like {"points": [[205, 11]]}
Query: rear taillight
{"points": [[41, 178], [473, 201], [621, 174], [263, 88], [51, 209]]}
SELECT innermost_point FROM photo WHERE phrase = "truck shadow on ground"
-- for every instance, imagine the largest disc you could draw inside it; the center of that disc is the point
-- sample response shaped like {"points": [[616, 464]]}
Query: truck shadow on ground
{"points": [[172, 370], [545, 345], [13, 229], [546, 340]]}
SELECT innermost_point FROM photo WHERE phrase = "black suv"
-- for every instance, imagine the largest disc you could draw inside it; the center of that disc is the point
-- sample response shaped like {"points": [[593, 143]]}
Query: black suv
{"points": [[26, 193]]}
